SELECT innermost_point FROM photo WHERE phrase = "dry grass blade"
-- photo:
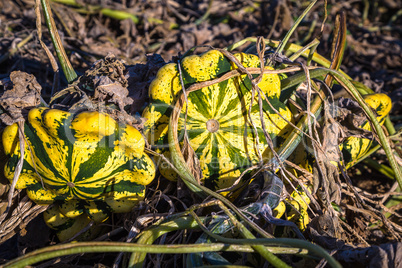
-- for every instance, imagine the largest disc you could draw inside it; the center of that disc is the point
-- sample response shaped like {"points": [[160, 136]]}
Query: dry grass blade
{"points": [[338, 46]]}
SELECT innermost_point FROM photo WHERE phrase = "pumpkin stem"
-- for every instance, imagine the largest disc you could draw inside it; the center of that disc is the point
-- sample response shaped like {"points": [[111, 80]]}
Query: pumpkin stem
{"points": [[70, 184], [212, 125]]}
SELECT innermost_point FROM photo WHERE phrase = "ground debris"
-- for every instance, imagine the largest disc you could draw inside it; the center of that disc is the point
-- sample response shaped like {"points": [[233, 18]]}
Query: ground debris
{"points": [[21, 92], [384, 255]]}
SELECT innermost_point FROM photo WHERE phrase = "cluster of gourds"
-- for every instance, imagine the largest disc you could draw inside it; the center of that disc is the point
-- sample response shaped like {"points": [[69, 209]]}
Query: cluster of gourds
{"points": [[88, 166]]}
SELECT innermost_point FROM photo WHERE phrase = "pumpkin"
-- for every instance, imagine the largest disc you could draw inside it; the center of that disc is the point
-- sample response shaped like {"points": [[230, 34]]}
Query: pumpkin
{"points": [[66, 227], [296, 208], [218, 125], [84, 162], [352, 148]]}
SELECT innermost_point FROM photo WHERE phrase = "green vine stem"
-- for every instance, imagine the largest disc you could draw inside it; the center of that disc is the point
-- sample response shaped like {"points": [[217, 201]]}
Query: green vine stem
{"points": [[285, 40], [149, 236], [296, 246], [112, 13], [96, 247], [385, 170], [58, 46], [243, 245], [275, 245], [347, 84]]}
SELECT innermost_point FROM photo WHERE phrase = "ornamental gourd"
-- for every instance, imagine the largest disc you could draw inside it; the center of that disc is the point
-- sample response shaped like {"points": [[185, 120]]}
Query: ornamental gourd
{"points": [[353, 148], [84, 162], [225, 133]]}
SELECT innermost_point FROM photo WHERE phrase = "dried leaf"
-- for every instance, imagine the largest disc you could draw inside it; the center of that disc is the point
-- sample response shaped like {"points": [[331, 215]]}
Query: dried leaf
{"points": [[111, 92], [21, 92], [192, 160], [350, 117]]}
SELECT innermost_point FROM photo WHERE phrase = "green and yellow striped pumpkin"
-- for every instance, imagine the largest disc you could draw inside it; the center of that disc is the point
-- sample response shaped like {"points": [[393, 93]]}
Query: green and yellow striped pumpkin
{"points": [[219, 127], [85, 162], [354, 148], [66, 227]]}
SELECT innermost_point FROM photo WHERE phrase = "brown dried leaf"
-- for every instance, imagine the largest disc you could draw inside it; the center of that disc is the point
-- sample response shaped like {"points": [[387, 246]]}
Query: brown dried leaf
{"points": [[108, 91], [340, 121], [21, 92], [192, 160], [195, 35], [350, 116]]}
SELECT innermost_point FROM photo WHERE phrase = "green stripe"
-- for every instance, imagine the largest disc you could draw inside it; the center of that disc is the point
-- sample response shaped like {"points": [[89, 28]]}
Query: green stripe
{"points": [[191, 121], [140, 164], [203, 105], [205, 143], [86, 192], [98, 158], [234, 117], [37, 146], [213, 167], [13, 161], [100, 205], [193, 132], [235, 154], [93, 180], [125, 186], [232, 106], [82, 193], [224, 66], [222, 96], [236, 130], [161, 107], [68, 224], [62, 130]]}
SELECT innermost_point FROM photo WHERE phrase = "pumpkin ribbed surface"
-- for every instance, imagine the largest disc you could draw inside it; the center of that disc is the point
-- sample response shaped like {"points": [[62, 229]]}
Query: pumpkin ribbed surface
{"points": [[225, 136], [82, 160]]}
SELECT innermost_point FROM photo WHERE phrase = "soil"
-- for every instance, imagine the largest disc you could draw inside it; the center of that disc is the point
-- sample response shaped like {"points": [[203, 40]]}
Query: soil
{"points": [[169, 28]]}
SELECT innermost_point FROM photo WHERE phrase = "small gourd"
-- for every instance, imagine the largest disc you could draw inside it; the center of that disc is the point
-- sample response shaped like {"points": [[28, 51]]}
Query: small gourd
{"points": [[225, 136], [86, 163], [352, 148]]}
